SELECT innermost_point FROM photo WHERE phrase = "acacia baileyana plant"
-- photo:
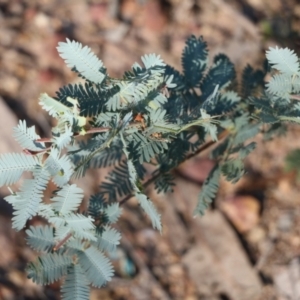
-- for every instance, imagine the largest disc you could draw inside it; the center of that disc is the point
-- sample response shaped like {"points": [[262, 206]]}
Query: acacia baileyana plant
{"points": [[152, 115]]}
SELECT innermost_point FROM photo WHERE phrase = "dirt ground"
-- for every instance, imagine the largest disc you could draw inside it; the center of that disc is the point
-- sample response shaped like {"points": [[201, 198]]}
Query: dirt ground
{"points": [[248, 246]]}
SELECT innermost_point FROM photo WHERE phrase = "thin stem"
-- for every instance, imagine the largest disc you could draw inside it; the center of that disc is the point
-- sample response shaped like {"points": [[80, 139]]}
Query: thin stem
{"points": [[64, 240], [91, 155], [124, 200], [153, 178], [90, 131], [295, 97]]}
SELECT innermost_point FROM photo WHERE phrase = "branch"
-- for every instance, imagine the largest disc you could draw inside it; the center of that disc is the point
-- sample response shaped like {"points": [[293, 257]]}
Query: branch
{"points": [[153, 178], [90, 131]]}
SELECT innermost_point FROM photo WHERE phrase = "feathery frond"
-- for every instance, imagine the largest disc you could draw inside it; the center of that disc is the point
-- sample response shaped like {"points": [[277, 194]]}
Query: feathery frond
{"points": [[80, 225], [67, 199], [150, 210], [53, 107], [284, 60], [83, 59], [194, 60], [113, 212], [28, 199], [108, 240], [147, 147], [41, 238], [48, 268], [76, 285], [116, 183], [62, 139], [222, 73], [233, 170], [96, 266], [27, 137], [59, 167], [209, 191], [12, 166]]}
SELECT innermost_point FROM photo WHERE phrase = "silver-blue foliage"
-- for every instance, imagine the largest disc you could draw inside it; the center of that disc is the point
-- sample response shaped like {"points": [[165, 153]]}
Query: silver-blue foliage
{"points": [[153, 115]]}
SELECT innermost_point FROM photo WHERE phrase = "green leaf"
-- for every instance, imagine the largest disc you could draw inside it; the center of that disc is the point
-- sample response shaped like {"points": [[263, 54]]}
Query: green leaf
{"points": [[147, 148], [48, 268], [210, 128], [252, 81], [113, 212], [63, 137], [83, 59], [59, 167], [76, 285], [194, 60], [177, 78], [222, 73], [233, 170], [26, 202], [284, 60], [80, 225], [150, 210], [41, 238], [53, 107], [116, 183], [152, 60], [245, 133], [219, 150], [225, 102], [208, 191], [245, 151], [27, 137], [108, 240], [67, 199], [91, 100], [280, 85], [98, 269], [12, 166], [164, 183]]}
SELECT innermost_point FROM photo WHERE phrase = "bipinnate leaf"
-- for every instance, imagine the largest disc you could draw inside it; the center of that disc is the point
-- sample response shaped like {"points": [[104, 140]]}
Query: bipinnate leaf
{"points": [[27, 137], [194, 60], [49, 267], [152, 60], [113, 212], [233, 170], [280, 85], [59, 167], [52, 106], [283, 85], [98, 269], [80, 225], [246, 150], [83, 59], [221, 73], [12, 166], [67, 199], [284, 60], [208, 191], [245, 133], [75, 286], [41, 238], [27, 201], [150, 210], [208, 126], [147, 148], [108, 240], [62, 139]]}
